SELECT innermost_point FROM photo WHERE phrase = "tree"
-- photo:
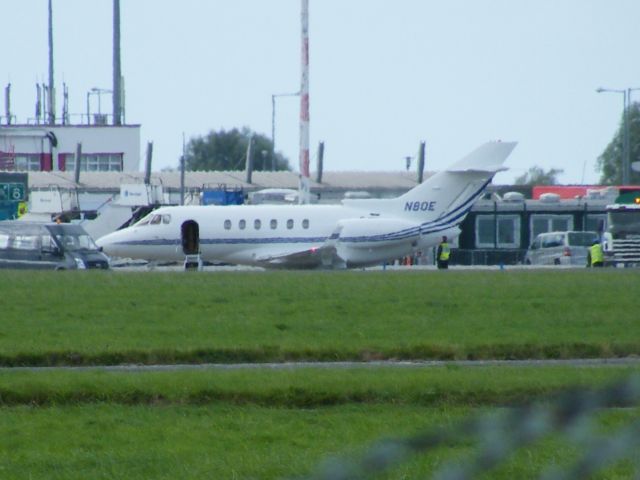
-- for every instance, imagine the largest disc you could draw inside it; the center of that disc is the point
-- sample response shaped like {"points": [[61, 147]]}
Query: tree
{"points": [[610, 161], [227, 150], [537, 176]]}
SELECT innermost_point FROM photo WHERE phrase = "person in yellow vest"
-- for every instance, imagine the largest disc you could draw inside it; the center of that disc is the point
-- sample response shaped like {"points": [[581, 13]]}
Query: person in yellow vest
{"points": [[443, 254], [595, 256], [22, 209]]}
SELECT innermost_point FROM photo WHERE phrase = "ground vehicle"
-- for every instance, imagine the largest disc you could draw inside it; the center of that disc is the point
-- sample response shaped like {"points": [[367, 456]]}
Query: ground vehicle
{"points": [[48, 246], [622, 245], [561, 248]]}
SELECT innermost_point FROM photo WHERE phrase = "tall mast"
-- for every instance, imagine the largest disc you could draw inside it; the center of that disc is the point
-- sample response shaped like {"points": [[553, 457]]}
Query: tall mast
{"points": [[51, 88], [117, 76], [304, 106]]}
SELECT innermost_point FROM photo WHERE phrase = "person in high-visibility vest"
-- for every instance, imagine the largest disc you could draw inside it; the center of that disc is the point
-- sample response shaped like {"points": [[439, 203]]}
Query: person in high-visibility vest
{"points": [[443, 254], [595, 256], [22, 209]]}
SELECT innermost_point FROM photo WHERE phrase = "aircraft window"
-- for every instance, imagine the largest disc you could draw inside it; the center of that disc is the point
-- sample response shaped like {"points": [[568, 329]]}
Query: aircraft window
{"points": [[156, 220], [144, 221], [227, 224], [166, 219], [257, 224], [290, 224], [242, 224], [274, 224], [305, 223]]}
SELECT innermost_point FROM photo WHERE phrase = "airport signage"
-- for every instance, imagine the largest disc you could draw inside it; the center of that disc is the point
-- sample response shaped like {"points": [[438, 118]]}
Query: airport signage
{"points": [[12, 192]]}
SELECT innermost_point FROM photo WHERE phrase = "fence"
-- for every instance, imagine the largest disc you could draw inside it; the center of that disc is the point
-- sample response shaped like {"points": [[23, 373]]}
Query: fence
{"points": [[500, 433]]}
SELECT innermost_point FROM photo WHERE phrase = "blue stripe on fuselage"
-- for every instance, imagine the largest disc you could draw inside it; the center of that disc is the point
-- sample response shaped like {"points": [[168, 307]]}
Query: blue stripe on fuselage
{"points": [[450, 220]]}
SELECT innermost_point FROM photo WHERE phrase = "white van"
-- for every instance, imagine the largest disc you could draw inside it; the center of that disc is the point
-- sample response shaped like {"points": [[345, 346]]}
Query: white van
{"points": [[561, 248]]}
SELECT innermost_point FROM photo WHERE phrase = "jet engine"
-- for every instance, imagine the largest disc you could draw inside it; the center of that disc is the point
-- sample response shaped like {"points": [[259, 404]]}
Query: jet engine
{"points": [[372, 240]]}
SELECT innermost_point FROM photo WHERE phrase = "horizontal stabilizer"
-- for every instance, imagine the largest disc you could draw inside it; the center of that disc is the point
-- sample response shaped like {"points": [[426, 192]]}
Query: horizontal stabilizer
{"points": [[486, 158], [487, 169]]}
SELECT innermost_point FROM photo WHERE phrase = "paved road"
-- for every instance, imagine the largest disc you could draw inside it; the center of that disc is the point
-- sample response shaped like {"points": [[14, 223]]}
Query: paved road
{"points": [[576, 362]]}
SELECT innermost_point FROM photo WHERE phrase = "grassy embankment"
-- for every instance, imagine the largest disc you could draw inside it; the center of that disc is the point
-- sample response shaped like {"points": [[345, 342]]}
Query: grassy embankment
{"points": [[56, 318], [228, 442], [302, 388]]}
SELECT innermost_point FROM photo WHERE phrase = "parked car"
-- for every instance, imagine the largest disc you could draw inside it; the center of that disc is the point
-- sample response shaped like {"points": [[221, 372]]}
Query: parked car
{"points": [[560, 248], [48, 246]]}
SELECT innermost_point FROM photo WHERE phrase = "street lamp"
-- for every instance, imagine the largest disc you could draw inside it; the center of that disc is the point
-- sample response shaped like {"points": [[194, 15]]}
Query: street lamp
{"points": [[273, 124], [626, 101]]}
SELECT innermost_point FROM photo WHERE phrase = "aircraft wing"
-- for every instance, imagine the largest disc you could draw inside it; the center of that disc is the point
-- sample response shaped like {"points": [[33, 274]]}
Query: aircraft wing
{"points": [[324, 255]]}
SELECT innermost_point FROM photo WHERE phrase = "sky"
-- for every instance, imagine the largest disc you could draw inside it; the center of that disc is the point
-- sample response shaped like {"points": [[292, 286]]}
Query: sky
{"points": [[384, 74]]}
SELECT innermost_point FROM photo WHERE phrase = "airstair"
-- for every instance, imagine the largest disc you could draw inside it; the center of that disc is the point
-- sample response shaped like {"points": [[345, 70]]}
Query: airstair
{"points": [[193, 262]]}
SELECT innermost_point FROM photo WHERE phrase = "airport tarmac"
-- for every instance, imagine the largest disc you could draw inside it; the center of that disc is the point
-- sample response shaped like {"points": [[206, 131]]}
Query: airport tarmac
{"points": [[142, 267]]}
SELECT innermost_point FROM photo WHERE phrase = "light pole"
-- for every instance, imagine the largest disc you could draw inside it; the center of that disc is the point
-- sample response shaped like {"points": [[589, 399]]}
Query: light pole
{"points": [[98, 92], [273, 124], [626, 150]]}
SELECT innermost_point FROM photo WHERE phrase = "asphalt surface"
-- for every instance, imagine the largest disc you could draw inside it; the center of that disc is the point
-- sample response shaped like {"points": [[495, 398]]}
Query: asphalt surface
{"points": [[576, 362]]}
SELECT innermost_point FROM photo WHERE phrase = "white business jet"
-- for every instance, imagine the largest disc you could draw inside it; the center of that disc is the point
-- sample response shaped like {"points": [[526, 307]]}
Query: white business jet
{"points": [[356, 233]]}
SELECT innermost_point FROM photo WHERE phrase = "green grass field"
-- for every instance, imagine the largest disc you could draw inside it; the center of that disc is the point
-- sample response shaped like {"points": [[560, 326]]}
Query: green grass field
{"points": [[226, 442], [53, 318], [264, 424]]}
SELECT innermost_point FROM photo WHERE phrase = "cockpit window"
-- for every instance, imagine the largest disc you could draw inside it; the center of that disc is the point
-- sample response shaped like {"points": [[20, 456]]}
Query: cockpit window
{"points": [[154, 219], [144, 221]]}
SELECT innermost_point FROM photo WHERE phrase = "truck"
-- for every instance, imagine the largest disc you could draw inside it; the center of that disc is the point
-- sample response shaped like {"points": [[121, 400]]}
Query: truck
{"points": [[622, 236]]}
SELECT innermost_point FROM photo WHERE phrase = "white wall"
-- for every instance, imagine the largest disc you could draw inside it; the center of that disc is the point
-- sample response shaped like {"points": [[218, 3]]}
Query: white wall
{"points": [[94, 139]]}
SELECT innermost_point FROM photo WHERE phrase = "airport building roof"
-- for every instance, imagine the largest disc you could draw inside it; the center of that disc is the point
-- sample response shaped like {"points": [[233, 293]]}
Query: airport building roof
{"points": [[376, 183]]}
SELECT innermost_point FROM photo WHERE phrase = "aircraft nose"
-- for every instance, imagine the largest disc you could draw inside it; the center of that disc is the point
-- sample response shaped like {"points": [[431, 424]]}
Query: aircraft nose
{"points": [[104, 241], [109, 243]]}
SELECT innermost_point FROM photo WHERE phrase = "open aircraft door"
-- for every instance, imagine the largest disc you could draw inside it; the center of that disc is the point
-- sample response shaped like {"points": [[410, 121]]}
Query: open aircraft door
{"points": [[190, 235]]}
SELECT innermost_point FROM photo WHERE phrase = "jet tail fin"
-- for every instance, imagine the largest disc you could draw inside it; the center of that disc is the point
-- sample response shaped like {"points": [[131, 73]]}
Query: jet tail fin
{"points": [[487, 158], [446, 197]]}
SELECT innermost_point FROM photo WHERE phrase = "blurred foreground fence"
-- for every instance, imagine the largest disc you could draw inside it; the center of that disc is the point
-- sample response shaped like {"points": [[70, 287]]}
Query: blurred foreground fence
{"points": [[500, 433]]}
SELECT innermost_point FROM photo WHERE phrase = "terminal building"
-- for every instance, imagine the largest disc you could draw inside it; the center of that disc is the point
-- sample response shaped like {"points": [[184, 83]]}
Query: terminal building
{"points": [[52, 148]]}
